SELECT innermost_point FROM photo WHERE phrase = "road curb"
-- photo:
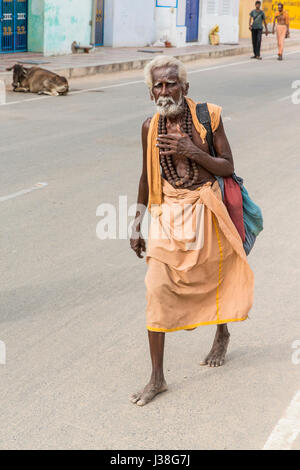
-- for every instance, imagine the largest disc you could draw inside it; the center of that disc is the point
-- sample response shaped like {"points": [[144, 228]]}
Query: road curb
{"points": [[78, 72], [139, 64]]}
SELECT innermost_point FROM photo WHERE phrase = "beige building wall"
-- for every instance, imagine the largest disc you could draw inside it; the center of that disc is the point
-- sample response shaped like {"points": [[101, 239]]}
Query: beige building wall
{"points": [[245, 7]]}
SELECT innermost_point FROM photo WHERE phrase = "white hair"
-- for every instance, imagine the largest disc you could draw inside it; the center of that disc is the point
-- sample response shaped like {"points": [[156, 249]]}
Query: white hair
{"points": [[164, 61]]}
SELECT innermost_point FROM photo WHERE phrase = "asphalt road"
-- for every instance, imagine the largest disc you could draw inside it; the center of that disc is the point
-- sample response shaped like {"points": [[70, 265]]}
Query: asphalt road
{"points": [[72, 307]]}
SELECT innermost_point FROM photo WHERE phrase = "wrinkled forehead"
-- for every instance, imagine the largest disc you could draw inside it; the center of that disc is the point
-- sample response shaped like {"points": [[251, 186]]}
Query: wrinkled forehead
{"points": [[165, 73]]}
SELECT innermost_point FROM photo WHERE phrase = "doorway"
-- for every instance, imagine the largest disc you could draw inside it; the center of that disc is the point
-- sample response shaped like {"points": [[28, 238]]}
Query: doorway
{"points": [[13, 25], [98, 22], [192, 20]]}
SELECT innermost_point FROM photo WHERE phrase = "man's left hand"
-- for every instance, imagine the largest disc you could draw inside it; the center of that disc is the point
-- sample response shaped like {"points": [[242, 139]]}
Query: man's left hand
{"points": [[179, 145]]}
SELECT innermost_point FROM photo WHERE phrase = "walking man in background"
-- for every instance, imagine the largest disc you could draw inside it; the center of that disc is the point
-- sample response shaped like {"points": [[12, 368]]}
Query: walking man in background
{"points": [[282, 28], [257, 18]]}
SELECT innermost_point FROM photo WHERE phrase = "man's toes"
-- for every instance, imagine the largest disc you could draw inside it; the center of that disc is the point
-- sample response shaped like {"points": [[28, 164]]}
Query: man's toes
{"points": [[148, 395], [145, 398], [212, 363], [141, 402], [207, 360], [135, 397], [217, 362]]}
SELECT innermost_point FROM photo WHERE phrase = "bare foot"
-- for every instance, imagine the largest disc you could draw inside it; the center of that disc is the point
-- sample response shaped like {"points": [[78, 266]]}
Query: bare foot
{"points": [[149, 392], [216, 357]]}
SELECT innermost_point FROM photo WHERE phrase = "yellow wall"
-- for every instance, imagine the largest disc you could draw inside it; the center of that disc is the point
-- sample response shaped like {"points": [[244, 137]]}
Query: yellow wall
{"points": [[292, 6], [245, 7]]}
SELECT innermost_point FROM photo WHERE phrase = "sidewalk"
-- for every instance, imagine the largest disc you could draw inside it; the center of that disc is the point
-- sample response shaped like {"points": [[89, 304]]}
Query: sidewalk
{"points": [[107, 59]]}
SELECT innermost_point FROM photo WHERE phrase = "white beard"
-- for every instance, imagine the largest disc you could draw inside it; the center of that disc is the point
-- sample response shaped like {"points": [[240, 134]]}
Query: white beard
{"points": [[167, 107]]}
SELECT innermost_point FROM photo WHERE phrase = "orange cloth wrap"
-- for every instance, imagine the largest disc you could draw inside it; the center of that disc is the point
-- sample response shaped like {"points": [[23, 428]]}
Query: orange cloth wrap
{"points": [[209, 282], [281, 30]]}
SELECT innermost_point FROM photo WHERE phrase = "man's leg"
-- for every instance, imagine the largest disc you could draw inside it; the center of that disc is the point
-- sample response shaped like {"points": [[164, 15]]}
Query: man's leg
{"points": [[157, 382], [253, 42], [281, 33], [258, 42], [216, 357]]}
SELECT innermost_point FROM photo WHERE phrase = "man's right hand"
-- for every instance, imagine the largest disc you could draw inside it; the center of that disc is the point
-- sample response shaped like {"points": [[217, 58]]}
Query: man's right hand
{"points": [[138, 245]]}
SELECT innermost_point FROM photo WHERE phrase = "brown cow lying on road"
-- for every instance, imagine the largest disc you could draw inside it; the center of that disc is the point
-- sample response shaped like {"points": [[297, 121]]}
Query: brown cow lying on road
{"points": [[37, 80]]}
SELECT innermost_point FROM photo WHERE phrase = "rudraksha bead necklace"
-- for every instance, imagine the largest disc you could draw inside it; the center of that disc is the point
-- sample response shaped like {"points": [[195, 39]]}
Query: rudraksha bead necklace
{"points": [[191, 170]]}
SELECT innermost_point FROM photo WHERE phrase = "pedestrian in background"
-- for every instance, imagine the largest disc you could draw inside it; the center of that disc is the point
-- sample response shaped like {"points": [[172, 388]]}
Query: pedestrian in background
{"points": [[257, 18], [282, 28]]}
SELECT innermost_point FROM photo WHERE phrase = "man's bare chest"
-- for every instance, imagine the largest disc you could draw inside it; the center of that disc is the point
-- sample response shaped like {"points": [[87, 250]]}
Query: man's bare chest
{"points": [[197, 140], [180, 164]]}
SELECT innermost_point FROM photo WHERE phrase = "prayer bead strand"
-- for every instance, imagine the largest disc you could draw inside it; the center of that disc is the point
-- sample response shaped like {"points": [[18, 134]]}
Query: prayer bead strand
{"points": [[191, 170]]}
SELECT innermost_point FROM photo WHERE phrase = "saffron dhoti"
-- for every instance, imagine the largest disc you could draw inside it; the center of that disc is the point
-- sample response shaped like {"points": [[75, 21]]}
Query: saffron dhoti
{"points": [[198, 272], [281, 30]]}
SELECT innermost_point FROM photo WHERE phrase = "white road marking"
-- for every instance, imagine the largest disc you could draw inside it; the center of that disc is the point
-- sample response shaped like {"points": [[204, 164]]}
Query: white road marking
{"points": [[287, 429], [136, 82], [242, 62], [117, 85], [285, 98], [24, 191], [216, 67], [27, 101], [77, 92]]}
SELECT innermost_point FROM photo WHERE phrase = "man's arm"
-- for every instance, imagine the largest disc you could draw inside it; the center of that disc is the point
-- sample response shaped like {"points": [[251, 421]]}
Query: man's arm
{"points": [[183, 147], [137, 243], [250, 21], [265, 23], [266, 26], [143, 192]]}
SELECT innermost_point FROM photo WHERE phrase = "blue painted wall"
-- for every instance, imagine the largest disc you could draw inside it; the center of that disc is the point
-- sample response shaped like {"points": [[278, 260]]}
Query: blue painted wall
{"points": [[36, 25], [66, 21], [54, 24]]}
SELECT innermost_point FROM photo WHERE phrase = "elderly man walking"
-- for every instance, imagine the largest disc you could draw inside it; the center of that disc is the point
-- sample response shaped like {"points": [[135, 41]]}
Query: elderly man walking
{"points": [[198, 272]]}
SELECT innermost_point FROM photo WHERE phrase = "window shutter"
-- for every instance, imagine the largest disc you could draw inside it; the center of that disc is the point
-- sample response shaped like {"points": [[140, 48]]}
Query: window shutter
{"points": [[212, 7], [226, 7]]}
